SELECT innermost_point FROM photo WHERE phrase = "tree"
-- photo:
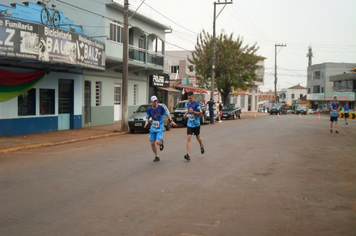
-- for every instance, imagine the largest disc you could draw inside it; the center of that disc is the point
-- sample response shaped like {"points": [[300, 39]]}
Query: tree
{"points": [[235, 64]]}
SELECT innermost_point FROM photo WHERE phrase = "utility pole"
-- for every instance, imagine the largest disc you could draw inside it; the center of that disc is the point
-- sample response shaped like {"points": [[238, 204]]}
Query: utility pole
{"points": [[213, 57], [125, 70], [275, 69]]}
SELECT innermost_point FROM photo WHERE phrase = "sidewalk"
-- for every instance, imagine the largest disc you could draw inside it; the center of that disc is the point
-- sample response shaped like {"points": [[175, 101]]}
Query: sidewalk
{"points": [[21, 142], [14, 143]]}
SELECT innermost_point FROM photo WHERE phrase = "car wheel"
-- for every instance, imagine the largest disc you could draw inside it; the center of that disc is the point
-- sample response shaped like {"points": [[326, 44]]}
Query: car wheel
{"points": [[132, 131], [168, 127], [203, 119], [234, 117]]}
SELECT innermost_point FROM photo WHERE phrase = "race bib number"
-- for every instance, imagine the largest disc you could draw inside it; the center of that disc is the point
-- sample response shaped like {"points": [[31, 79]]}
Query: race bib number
{"points": [[191, 117], [155, 124]]}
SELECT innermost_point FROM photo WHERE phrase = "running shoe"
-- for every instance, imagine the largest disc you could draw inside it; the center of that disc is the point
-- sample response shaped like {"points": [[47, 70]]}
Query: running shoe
{"points": [[337, 131], [331, 131], [156, 159], [202, 150], [187, 157], [161, 146]]}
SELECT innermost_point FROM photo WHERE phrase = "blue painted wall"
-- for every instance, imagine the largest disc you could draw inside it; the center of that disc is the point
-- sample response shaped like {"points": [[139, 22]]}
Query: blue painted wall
{"points": [[31, 12], [12, 127]]}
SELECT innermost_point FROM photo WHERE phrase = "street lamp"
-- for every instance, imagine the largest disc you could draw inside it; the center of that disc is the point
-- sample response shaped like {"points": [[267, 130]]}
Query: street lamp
{"points": [[213, 57]]}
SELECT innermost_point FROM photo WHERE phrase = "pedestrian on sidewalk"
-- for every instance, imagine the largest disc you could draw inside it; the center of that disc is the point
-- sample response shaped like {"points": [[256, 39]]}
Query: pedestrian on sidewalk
{"points": [[334, 114], [156, 112], [211, 105], [220, 111], [193, 125], [346, 112]]}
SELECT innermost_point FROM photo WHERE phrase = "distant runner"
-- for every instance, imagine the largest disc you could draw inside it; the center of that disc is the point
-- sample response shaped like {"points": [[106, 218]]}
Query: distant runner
{"points": [[334, 114]]}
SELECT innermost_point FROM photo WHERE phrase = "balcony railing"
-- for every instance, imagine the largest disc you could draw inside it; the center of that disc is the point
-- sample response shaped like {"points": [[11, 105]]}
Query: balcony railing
{"points": [[155, 58], [139, 54]]}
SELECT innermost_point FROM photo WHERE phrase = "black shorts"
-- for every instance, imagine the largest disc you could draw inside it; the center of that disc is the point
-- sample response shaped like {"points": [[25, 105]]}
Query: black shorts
{"points": [[195, 130], [346, 115], [332, 119]]}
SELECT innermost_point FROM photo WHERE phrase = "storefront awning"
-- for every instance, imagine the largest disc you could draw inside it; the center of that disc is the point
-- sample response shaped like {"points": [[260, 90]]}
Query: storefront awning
{"points": [[168, 89], [188, 88]]}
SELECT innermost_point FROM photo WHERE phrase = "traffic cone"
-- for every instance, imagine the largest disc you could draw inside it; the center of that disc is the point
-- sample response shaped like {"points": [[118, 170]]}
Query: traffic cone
{"points": [[318, 116], [255, 116], [300, 116], [277, 115]]}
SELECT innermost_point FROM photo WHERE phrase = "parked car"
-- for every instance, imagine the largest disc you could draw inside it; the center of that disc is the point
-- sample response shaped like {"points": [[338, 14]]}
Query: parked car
{"points": [[311, 111], [301, 109], [231, 111], [181, 108], [138, 120], [278, 108]]}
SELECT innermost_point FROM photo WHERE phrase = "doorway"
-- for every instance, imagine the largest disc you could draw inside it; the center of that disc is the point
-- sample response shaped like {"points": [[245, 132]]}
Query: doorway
{"points": [[117, 102], [65, 104], [87, 102]]}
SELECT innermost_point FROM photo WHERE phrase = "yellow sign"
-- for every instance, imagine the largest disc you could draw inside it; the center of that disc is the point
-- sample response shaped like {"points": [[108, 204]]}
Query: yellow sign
{"points": [[354, 70], [352, 115]]}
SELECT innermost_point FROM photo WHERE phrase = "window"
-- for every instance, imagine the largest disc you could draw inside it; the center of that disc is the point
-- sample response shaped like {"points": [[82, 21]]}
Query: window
{"points": [[300, 95], [322, 89], [174, 69], [242, 101], [343, 86], [316, 75], [97, 94], [316, 89], [191, 68], [141, 42], [135, 94], [26, 103], [47, 101], [116, 32], [336, 86], [309, 90], [349, 85], [292, 95]]}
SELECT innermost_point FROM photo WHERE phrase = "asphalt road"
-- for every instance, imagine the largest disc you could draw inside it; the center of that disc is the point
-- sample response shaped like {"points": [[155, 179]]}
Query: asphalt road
{"points": [[263, 176]]}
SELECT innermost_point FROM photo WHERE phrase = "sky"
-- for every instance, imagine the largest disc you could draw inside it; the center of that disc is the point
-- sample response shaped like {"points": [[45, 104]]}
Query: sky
{"points": [[328, 26]]}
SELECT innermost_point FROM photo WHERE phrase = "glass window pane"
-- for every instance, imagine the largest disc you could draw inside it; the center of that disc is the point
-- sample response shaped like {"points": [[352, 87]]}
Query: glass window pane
{"points": [[47, 101], [26, 103]]}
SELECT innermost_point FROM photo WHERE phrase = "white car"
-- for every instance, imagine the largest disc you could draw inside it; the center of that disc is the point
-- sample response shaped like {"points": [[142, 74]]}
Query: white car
{"points": [[311, 111]]}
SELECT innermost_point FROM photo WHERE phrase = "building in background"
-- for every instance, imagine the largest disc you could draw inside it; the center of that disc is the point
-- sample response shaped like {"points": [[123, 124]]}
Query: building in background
{"points": [[84, 58], [325, 80], [248, 100], [290, 95]]}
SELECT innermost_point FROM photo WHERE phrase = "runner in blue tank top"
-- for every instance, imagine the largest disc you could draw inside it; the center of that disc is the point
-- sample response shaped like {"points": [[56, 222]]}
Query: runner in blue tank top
{"points": [[346, 112], [334, 115], [156, 112], [193, 124]]}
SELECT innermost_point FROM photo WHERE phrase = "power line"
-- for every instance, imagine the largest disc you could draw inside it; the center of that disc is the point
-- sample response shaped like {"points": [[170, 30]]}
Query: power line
{"points": [[169, 19]]}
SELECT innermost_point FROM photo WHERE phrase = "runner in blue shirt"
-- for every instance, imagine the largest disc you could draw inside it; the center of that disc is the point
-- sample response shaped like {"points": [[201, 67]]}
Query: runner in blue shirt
{"points": [[334, 114], [156, 112], [346, 112], [193, 125]]}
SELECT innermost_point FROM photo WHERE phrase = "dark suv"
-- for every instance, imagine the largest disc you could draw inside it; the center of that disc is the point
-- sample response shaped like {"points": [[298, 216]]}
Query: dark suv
{"points": [[181, 109], [278, 108]]}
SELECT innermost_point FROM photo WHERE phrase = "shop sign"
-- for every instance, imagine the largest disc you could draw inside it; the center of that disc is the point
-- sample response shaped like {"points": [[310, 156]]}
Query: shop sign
{"points": [[23, 40], [159, 81]]}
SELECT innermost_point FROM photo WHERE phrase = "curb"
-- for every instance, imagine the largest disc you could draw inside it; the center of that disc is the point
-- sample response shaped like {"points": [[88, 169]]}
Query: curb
{"points": [[7, 150]]}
